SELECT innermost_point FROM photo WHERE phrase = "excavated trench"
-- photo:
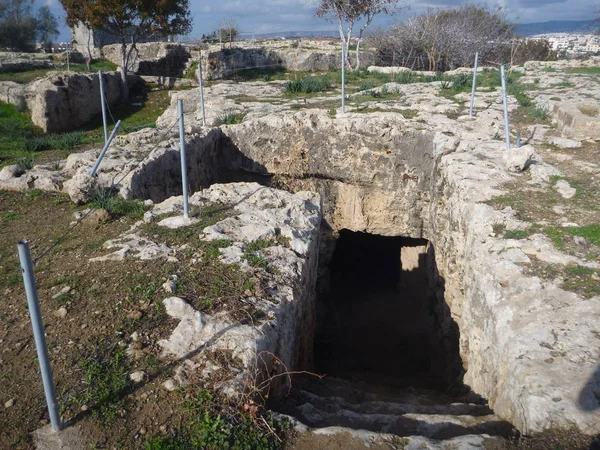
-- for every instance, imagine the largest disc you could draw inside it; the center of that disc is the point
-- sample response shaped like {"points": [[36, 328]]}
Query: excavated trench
{"points": [[387, 347], [383, 337]]}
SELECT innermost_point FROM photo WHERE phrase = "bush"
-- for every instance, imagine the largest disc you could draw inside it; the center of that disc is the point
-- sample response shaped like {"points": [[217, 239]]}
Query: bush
{"points": [[229, 117], [444, 39], [308, 85], [26, 161], [105, 198], [539, 113]]}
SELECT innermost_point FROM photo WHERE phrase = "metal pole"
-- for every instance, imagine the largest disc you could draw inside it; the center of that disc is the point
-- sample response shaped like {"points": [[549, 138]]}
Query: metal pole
{"points": [[201, 81], [474, 84], [518, 139], [38, 333], [184, 184], [506, 129], [103, 101], [110, 139], [343, 77]]}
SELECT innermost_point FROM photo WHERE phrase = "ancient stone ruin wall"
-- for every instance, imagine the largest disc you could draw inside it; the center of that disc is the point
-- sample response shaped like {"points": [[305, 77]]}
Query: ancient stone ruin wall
{"points": [[156, 58], [218, 64], [384, 176], [66, 100]]}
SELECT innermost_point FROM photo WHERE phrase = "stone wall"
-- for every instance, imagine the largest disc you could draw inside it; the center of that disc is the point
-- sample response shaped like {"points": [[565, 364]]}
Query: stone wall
{"points": [[226, 63], [11, 92], [65, 100], [158, 59]]}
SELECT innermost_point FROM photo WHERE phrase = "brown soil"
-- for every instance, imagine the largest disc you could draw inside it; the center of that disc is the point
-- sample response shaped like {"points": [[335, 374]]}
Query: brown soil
{"points": [[341, 441], [107, 302]]}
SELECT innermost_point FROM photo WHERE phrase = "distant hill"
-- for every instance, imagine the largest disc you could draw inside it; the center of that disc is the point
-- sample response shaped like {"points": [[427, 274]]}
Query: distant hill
{"points": [[555, 26]]}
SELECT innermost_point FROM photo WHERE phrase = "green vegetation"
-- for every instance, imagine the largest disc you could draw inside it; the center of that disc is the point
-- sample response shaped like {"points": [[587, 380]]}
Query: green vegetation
{"points": [[308, 85], [105, 380], [28, 76], [252, 255], [229, 117], [260, 74], [115, 205], [582, 280], [21, 141], [516, 234], [218, 424], [585, 70]]}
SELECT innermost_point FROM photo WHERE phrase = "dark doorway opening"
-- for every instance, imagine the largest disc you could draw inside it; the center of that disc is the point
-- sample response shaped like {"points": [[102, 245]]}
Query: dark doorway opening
{"points": [[383, 318]]}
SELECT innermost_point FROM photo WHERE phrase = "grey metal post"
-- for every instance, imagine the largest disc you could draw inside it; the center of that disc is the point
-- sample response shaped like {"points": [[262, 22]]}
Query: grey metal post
{"points": [[506, 129], [103, 101], [343, 77], [184, 184], [201, 81], [518, 139], [105, 148], [474, 84], [38, 333]]}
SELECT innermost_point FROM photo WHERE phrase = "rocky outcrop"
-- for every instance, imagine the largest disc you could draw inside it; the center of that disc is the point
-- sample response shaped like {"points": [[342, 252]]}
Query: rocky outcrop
{"points": [[527, 345], [227, 63], [66, 100], [13, 93], [21, 65], [154, 58], [277, 336]]}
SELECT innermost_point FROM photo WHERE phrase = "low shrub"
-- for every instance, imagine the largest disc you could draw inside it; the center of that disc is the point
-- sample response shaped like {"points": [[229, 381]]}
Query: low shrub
{"points": [[308, 85]]}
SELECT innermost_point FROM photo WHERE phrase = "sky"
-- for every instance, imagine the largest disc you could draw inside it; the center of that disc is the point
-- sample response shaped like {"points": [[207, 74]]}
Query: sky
{"points": [[298, 15]]}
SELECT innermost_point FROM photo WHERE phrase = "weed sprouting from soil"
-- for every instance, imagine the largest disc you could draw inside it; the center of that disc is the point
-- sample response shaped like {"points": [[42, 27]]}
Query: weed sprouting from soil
{"points": [[105, 380], [229, 117], [115, 205]]}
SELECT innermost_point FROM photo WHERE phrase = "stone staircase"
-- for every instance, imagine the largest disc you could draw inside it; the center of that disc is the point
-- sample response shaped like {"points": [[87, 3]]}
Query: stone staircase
{"points": [[401, 411]]}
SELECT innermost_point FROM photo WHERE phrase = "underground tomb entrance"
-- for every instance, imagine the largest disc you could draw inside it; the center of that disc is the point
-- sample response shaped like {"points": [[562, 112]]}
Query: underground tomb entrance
{"points": [[383, 318]]}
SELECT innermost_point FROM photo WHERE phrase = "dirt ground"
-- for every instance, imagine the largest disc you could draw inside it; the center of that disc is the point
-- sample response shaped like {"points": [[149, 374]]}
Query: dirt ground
{"points": [[106, 302]]}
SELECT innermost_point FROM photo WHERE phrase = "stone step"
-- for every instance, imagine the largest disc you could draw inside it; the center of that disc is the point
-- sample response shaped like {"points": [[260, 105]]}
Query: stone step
{"points": [[434, 426], [412, 405], [403, 411], [355, 392]]}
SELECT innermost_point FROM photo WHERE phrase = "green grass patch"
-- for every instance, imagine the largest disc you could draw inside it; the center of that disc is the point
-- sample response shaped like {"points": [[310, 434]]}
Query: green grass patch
{"points": [[117, 206], [219, 424], [20, 138], [105, 381], [590, 232], [252, 252], [582, 280], [28, 76], [585, 70], [308, 85], [229, 117], [516, 234], [260, 74]]}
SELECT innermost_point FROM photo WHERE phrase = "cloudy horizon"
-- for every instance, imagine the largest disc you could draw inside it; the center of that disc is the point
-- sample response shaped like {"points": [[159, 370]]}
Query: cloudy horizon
{"points": [[299, 15]]}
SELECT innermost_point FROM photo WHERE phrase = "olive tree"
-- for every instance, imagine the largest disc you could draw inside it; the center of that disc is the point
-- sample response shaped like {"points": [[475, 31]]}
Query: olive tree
{"points": [[130, 21], [348, 13]]}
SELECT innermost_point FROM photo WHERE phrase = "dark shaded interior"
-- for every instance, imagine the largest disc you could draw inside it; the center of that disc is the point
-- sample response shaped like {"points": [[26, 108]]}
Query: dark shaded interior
{"points": [[382, 322]]}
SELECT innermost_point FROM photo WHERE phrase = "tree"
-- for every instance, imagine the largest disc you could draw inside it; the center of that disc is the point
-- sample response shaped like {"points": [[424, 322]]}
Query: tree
{"points": [[17, 24], [351, 12], [47, 26], [444, 39], [130, 21], [228, 31]]}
